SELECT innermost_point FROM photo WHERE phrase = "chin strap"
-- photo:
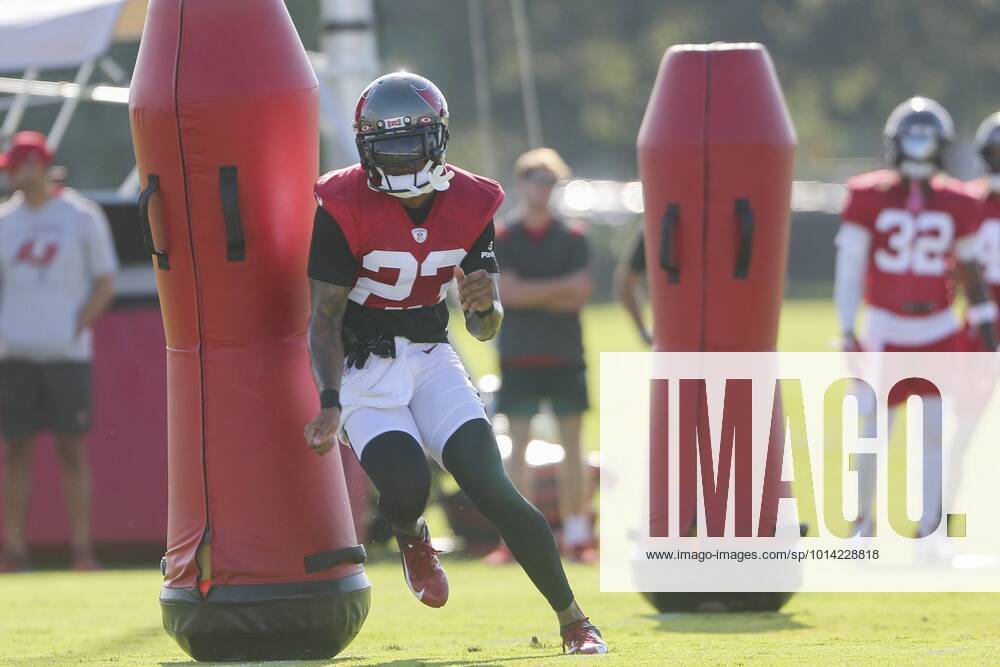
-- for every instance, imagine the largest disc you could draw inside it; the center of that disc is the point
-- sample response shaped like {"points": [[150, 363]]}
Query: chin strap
{"points": [[439, 178], [435, 178]]}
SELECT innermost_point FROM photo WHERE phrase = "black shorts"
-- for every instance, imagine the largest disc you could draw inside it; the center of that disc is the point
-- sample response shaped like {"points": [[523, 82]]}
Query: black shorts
{"points": [[522, 389], [44, 396]]}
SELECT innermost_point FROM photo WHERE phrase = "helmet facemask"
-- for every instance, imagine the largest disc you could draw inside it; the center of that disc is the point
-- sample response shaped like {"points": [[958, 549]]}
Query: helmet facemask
{"points": [[919, 151], [407, 163]]}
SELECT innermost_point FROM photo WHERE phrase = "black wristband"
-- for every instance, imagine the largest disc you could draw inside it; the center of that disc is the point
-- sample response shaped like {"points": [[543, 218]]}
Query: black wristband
{"points": [[485, 313], [329, 398]]}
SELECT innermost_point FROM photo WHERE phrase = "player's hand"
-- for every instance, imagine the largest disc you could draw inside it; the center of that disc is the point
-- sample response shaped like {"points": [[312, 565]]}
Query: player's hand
{"points": [[474, 290], [321, 432]]}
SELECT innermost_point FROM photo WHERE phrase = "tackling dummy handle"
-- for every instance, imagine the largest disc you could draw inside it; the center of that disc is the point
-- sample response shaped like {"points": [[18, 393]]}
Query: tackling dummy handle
{"points": [[668, 227], [152, 188], [744, 215], [325, 560], [229, 191]]}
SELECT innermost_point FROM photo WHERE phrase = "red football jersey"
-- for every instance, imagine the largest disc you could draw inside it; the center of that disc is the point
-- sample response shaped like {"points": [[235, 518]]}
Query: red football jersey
{"points": [[988, 237], [402, 265], [910, 254]]}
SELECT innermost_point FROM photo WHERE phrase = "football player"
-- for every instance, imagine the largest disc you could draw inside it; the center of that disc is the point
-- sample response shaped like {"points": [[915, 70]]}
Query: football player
{"points": [[987, 193], [981, 385], [902, 229], [390, 235]]}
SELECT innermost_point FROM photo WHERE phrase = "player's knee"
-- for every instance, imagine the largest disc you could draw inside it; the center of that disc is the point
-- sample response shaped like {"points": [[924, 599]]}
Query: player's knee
{"points": [[396, 464], [471, 454], [473, 459]]}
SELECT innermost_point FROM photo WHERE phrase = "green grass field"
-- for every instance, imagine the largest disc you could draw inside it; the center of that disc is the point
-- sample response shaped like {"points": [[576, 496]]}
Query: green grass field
{"points": [[496, 617]]}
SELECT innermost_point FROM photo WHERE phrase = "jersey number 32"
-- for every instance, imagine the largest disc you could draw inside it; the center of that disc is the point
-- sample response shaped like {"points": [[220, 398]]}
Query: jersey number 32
{"points": [[917, 244]]}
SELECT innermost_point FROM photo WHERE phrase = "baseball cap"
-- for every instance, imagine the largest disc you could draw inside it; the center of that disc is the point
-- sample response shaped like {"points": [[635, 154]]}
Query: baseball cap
{"points": [[26, 146]]}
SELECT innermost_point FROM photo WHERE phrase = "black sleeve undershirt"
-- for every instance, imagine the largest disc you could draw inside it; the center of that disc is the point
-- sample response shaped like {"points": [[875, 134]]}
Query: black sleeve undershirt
{"points": [[330, 257], [481, 254]]}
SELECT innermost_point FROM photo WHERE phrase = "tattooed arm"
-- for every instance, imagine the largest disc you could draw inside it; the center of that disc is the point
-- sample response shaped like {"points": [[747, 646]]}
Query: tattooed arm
{"points": [[326, 349]]}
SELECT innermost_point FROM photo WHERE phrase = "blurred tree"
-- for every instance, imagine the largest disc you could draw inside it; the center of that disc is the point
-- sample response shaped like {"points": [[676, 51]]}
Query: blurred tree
{"points": [[843, 63]]}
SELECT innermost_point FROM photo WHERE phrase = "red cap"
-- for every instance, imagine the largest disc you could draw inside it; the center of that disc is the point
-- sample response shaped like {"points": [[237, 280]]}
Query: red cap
{"points": [[26, 146]]}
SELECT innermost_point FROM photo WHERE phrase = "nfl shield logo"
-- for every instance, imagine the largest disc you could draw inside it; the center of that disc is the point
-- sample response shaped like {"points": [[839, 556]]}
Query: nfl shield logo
{"points": [[419, 234]]}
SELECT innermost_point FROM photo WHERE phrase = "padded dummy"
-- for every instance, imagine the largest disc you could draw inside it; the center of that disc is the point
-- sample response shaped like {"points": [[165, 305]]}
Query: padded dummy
{"points": [[716, 150], [262, 559]]}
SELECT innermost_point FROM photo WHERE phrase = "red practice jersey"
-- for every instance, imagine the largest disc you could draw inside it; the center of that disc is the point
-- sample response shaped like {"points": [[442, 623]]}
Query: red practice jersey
{"points": [[988, 238], [397, 264], [911, 254]]}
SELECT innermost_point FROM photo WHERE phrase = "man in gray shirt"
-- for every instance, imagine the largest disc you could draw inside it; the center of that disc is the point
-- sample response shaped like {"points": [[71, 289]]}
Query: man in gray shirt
{"points": [[57, 268], [544, 282]]}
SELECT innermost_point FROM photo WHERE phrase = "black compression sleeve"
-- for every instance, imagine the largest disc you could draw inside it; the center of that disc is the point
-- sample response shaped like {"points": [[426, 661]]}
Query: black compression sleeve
{"points": [[472, 457], [330, 256], [481, 254]]}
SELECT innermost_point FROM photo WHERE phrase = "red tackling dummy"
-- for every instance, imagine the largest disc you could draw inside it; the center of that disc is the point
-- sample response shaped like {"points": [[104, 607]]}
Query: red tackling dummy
{"points": [[716, 149], [262, 560]]}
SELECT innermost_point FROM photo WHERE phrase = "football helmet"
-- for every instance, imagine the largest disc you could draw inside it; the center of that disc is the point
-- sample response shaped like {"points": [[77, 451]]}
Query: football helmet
{"points": [[988, 144], [916, 135], [401, 131]]}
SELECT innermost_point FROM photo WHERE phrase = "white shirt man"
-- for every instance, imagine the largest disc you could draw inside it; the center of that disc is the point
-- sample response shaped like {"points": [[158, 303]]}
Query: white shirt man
{"points": [[57, 266], [49, 257]]}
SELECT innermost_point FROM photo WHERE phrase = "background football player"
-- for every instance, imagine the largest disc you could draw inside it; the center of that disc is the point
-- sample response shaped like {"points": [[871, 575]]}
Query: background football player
{"points": [[987, 193], [390, 235], [980, 384], [902, 228]]}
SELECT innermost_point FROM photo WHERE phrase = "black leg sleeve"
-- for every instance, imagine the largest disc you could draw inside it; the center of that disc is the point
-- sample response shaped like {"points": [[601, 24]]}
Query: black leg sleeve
{"points": [[396, 464], [472, 457]]}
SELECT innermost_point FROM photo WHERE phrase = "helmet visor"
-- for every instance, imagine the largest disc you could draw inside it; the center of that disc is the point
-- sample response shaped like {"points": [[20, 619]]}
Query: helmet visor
{"points": [[402, 150]]}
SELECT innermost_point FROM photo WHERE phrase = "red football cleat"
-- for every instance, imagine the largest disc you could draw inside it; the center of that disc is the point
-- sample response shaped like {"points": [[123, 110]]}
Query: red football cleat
{"points": [[421, 568], [582, 637]]}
